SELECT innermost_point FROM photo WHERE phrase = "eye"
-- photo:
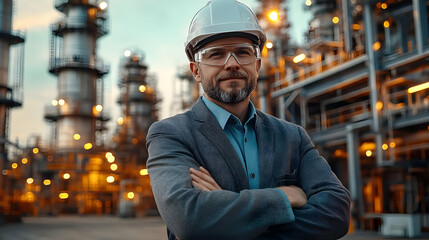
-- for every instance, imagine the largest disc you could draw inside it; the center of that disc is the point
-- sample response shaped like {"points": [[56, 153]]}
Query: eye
{"points": [[244, 52], [215, 54]]}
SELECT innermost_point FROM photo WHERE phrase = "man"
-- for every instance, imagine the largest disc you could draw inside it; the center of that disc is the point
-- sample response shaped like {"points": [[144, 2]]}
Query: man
{"points": [[224, 170]]}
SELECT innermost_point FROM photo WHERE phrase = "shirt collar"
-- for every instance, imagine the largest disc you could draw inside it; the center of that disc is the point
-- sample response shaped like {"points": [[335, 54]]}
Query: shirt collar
{"points": [[222, 116]]}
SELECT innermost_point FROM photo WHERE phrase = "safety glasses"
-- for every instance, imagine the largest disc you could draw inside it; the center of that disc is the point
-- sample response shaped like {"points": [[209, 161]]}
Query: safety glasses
{"points": [[244, 53]]}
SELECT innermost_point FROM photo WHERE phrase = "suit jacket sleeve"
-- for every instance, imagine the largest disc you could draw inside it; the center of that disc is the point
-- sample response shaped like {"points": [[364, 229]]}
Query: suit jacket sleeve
{"points": [[194, 214], [327, 212]]}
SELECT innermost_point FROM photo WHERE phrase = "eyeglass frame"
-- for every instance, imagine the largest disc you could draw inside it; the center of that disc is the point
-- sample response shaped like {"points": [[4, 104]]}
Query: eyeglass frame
{"points": [[199, 53]]}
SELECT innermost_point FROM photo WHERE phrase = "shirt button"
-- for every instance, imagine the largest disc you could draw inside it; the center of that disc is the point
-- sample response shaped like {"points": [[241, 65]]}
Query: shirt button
{"points": [[252, 175], [245, 139]]}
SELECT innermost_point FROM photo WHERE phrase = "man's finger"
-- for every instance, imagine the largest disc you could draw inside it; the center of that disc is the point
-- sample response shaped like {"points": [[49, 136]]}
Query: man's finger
{"points": [[199, 186], [202, 182]]}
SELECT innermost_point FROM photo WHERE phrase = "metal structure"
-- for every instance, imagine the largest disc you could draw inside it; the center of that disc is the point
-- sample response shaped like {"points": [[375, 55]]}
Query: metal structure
{"points": [[138, 103], [359, 87], [10, 87], [186, 91]]}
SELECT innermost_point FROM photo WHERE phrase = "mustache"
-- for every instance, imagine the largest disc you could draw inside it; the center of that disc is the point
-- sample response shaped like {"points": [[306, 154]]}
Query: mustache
{"points": [[229, 75]]}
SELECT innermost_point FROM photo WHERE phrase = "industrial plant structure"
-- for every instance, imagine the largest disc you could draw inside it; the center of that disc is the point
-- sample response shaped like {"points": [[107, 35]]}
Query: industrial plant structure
{"points": [[360, 86], [10, 95]]}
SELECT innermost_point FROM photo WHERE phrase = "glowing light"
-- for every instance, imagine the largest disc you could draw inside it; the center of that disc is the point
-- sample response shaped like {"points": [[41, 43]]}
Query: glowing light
{"points": [[30, 180], [130, 195], [5, 172], [63, 195], [54, 102], [66, 176], [110, 179], [127, 53], [143, 172], [419, 87], [299, 58], [356, 26], [308, 3], [376, 46], [111, 159], [269, 44], [392, 145], [273, 16], [103, 5], [113, 167], [384, 5], [142, 88], [14, 165], [87, 146], [386, 24], [24, 161], [98, 108], [368, 153], [385, 147], [108, 154], [35, 150], [379, 105], [335, 20], [47, 182], [120, 120], [61, 102], [76, 136]]}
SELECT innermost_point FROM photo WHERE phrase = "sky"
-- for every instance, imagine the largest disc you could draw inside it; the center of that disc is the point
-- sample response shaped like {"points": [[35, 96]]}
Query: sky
{"points": [[158, 28]]}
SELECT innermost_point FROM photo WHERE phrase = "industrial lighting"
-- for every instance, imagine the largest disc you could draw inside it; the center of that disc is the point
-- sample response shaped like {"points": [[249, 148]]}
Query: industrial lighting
{"points": [[384, 5], [273, 16], [54, 103], [99, 108], [103, 5], [111, 159], [385, 146], [392, 144], [66, 176], [386, 24], [113, 167], [308, 3], [130, 195], [110, 179], [30, 180], [46, 182], [335, 20], [356, 26], [376, 46], [368, 153], [419, 87], [35, 150], [63, 195], [299, 58], [24, 161], [76, 136], [269, 44], [61, 102], [14, 165], [143, 172], [5, 172], [379, 105], [127, 53], [87, 146], [120, 120], [142, 88]]}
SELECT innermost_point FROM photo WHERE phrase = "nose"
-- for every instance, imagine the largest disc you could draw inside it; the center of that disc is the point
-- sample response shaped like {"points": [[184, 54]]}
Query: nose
{"points": [[231, 63]]}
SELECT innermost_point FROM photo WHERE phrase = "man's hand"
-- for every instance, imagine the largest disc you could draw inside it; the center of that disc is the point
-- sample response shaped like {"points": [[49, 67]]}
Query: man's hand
{"points": [[203, 180], [296, 196]]}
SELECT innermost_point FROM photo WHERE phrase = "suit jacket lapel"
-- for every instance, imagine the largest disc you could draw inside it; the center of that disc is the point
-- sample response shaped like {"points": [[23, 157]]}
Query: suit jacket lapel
{"points": [[213, 132], [266, 146]]}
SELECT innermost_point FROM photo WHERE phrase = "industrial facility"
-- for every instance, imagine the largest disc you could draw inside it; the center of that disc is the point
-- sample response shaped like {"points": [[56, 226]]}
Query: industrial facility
{"points": [[359, 85]]}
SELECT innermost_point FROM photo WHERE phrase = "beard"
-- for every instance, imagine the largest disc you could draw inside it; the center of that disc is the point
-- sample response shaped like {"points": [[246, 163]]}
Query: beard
{"points": [[213, 90]]}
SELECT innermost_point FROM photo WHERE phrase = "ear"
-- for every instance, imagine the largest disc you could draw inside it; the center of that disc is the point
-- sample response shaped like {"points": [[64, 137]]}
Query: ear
{"points": [[258, 65], [195, 69]]}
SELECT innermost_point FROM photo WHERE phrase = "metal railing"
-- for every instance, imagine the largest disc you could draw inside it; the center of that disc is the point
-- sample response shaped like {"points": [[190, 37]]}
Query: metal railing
{"points": [[77, 60]]}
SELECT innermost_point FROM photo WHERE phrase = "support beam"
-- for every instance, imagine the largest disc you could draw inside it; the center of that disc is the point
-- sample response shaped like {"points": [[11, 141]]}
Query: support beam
{"points": [[347, 23], [420, 24]]}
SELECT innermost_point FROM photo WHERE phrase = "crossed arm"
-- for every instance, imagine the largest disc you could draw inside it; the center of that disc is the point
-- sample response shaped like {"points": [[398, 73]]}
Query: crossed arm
{"points": [[203, 180]]}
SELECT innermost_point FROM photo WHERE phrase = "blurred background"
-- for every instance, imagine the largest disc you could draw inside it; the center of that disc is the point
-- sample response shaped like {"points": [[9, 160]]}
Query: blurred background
{"points": [[81, 81]]}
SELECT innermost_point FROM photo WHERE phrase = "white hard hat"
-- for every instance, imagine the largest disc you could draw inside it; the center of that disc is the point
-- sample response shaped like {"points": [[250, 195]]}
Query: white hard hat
{"points": [[220, 19]]}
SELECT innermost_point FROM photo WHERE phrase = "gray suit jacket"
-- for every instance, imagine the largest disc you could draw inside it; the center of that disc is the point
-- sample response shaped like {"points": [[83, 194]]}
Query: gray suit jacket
{"points": [[286, 157]]}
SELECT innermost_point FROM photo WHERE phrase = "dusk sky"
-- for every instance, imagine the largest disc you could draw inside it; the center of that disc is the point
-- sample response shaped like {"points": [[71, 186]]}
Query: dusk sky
{"points": [[158, 28]]}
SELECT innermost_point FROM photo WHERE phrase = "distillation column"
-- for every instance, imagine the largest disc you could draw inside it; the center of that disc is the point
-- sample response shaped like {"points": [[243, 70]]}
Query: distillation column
{"points": [[73, 60], [10, 93]]}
